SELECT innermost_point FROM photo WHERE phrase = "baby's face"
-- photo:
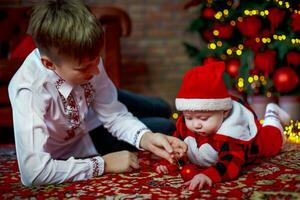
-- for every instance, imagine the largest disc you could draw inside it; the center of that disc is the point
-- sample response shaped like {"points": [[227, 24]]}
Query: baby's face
{"points": [[204, 123]]}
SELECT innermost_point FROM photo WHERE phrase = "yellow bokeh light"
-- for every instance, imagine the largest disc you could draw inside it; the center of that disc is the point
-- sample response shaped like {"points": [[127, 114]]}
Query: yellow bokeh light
{"points": [[264, 40], [229, 51], [175, 115], [212, 46], [226, 12], [215, 32], [250, 79], [240, 84], [266, 12], [238, 52]]}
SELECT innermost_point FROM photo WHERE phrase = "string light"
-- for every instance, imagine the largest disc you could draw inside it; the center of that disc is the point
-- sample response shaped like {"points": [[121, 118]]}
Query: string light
{"points": [[292, 132], [175, 115]]}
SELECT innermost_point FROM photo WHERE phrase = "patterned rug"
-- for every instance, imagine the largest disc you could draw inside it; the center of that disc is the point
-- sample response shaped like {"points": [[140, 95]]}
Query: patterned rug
{"points": [[276, 178]]}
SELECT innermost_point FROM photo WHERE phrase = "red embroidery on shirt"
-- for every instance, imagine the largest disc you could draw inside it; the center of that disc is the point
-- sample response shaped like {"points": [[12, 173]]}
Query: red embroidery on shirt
{"points": [[89, 93], [71, 110]]}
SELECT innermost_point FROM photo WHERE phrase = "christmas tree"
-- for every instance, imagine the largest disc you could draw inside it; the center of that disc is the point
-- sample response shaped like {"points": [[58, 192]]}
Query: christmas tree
{"points": [[259, 40]]}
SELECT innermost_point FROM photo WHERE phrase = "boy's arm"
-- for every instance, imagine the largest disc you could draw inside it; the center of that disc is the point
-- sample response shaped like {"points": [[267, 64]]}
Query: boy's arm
{"points": [[112, 113], [123, 125]]}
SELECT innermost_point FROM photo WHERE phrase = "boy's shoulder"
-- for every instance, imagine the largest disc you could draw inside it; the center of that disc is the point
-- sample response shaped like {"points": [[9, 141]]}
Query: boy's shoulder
{"points": [[31, 74]]}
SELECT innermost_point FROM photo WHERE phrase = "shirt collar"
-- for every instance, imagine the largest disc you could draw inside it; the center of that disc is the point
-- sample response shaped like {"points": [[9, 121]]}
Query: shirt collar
{"points": [[62, 86]]}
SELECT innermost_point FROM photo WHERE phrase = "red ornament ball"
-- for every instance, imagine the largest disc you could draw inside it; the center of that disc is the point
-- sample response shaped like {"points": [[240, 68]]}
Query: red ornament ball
{"points": [[285, 79], [209, 59], [208, 13], [249, 26], [265, 61], [189, 171], [232, 67]]}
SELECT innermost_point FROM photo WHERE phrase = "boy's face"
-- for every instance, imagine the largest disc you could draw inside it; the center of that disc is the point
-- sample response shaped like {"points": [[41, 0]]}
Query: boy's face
{"points": [[72, 71], [204, 123]]}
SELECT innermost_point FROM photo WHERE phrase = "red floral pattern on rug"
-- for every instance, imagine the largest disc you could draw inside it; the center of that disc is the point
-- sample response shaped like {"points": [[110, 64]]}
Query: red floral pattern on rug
{"points": [[276, 178]]}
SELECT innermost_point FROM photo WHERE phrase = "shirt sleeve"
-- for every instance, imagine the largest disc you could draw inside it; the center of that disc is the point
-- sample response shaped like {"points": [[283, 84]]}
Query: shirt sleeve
{"points": [[36, 166], [228, 166], [114, 115]]}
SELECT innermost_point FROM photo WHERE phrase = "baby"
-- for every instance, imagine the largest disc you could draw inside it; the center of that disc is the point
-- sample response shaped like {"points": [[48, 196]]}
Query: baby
{"points": [[222, 134]]}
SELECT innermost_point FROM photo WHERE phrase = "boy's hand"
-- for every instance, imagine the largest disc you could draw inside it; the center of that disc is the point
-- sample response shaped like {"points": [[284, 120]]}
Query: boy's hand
{"points": [[121, 161], [199, 180], [162, 145]]}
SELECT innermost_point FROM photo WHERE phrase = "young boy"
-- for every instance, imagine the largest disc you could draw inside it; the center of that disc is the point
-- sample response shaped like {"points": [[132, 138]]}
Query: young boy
{"points": [[222, 134], [61, 92]]}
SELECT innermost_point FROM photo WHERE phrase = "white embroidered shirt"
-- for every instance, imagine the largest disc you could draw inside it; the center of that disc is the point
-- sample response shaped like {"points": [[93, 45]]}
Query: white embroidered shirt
{"points": [[52, 119]]}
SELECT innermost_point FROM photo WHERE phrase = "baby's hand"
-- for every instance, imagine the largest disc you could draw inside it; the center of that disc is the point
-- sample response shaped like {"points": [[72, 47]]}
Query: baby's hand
{"points": [[199, 180], [165, 167], [162, 169]]}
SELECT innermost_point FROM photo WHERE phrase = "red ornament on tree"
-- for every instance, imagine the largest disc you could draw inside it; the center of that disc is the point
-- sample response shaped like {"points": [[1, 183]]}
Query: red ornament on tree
{"points": [[232, 67], [209, 59], [265, 61], [189, 171], [249, 26], [224, 31], [251, 43], [285, 79], [208, 35], [293, 58], [208, 13], [275, 16], [295, 23]]}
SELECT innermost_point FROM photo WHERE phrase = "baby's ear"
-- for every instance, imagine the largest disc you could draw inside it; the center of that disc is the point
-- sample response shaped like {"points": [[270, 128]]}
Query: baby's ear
{"points": [[47, 63], [226, 113]]}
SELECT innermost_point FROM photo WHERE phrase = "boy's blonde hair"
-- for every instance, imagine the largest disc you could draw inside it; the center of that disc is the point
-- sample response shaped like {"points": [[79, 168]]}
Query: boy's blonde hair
{"points": [[66, 27]]}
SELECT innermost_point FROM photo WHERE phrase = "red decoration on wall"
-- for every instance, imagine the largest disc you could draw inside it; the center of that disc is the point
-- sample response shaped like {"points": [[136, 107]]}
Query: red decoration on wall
{"points": [[233, 66], [249, 26], [265, 61], [189, 171], [285, 79]]}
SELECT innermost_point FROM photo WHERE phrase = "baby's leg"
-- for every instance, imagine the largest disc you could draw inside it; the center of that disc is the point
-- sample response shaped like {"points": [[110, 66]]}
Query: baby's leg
{"points": [[276, 116], [271, 137]]}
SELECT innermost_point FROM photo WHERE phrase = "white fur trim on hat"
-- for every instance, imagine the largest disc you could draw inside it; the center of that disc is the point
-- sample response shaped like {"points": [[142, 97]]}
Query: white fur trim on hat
{"points": [[203, 104]]}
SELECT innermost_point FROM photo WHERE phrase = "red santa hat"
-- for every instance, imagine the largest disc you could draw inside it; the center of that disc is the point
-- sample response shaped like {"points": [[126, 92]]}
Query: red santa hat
{"points": [[203, 88]]}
